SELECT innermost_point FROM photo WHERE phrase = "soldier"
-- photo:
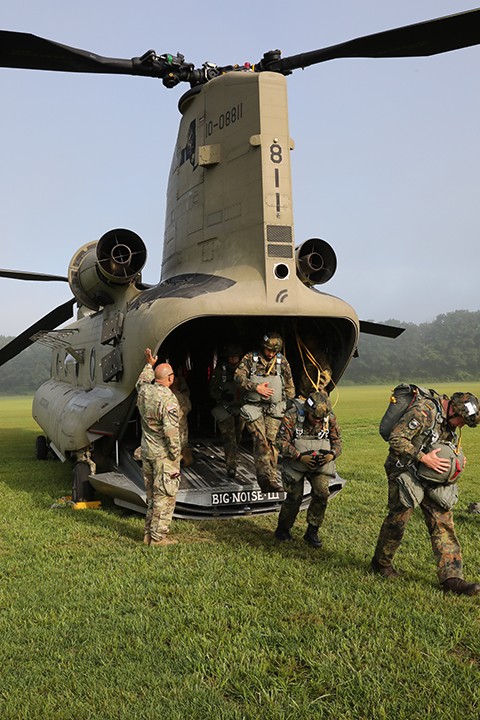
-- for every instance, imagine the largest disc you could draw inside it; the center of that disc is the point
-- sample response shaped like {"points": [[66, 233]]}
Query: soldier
{"points": [[228, 397], [159, 412], [410, 456], [309, 442], [266, 379], [181, 391]]}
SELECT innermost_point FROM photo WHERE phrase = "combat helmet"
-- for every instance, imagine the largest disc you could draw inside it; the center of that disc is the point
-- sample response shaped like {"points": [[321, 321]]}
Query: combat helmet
{"points": [[272, 341], [233, 349], [318, 404], [467, 407]]}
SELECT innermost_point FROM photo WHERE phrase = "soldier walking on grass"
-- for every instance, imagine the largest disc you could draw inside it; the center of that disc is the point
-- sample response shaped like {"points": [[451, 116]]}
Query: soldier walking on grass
{"points": [[161, 448], [309, 442], [418, 475]]}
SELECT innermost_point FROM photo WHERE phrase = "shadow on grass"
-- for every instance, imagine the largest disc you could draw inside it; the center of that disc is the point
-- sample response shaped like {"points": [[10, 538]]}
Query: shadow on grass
{"points": [[47, 481], [257, 531]]}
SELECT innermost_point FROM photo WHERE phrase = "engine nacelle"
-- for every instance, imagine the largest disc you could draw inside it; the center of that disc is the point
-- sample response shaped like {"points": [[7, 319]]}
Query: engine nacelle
{"points": [[116, 259], [316, 262]]}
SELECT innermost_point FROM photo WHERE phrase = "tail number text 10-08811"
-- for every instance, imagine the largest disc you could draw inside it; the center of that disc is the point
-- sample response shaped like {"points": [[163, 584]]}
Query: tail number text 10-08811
{"points": [[225, 119]]}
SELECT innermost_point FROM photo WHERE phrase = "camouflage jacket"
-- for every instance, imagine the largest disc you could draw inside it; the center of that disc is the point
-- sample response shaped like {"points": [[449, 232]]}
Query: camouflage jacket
{"points": [[254, 363], [286, 436], [159, 413], [420, 425]]}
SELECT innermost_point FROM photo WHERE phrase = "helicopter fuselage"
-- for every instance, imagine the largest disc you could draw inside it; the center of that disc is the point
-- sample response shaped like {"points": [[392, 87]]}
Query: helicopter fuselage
{"points": [[230, 270]]}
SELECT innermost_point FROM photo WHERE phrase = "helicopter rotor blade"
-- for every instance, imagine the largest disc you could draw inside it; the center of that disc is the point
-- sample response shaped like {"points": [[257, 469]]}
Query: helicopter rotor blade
{"points": [[30, 52], [430, 37], [53, 319], [38, 277], [388, 331]]}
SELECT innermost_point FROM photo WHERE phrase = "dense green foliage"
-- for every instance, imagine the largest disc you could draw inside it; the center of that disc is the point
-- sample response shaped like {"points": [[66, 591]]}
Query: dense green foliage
{"points": [[444, 350], [27, 371], [229, 624]]}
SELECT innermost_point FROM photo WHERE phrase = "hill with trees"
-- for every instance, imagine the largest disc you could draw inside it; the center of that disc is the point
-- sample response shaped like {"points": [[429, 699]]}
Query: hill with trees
{"points": [[26, 372], [445, 350]]}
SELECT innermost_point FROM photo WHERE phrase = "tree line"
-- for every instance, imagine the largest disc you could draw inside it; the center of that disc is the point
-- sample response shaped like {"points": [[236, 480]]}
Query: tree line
{"points": [[444, 350]]}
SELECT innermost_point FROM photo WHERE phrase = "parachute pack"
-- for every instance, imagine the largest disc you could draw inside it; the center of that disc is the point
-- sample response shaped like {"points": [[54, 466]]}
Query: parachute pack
{"points": [[402, 398]]}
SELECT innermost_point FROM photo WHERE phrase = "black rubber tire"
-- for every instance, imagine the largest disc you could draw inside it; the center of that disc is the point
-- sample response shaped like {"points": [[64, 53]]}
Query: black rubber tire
{"points": [[41, 448]]}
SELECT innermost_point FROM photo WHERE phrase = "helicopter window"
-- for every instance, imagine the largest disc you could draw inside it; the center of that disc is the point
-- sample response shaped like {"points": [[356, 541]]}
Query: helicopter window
{"points": [[92, 363]]}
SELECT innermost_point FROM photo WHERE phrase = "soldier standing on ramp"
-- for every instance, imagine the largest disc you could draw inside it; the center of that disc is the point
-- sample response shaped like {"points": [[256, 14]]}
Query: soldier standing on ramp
{"points": [[266, 379], [228, 395], [161, 448]]}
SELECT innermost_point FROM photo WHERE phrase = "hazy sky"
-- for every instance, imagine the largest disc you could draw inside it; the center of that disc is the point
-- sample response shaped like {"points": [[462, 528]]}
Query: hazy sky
{"points": [[385, 168]]}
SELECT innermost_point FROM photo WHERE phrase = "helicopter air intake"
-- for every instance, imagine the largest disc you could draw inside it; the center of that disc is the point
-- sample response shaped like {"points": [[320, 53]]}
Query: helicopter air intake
{"points": [[100, 269]]}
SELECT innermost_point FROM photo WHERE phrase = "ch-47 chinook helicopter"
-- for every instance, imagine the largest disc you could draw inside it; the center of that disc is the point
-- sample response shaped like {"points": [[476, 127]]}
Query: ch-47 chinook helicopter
{"points": [[230, 269]]}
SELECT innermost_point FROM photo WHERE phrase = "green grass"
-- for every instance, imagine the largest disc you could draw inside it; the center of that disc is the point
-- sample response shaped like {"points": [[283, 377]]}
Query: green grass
{"points": [[229, 624]]}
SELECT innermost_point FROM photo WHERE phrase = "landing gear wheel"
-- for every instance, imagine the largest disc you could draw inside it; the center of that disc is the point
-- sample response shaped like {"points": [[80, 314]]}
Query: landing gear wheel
{"points": [[41, 448]]}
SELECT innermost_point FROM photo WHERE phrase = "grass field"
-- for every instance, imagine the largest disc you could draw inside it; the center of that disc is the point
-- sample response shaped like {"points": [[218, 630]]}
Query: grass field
{"points": [[229, 624]]}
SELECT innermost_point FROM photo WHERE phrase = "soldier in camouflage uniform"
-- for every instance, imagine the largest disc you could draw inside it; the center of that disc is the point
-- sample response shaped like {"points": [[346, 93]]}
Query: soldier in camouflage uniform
{"points": [[266, 379], [228, 397], [309, 442], [423, 423], [161, 447], [181, 391]]}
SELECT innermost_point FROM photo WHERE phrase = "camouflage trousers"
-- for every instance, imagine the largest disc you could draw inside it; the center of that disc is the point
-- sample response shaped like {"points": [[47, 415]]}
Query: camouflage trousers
{"points": [[265, 454], [439, 522], [293, 499], [231, 432], [161, 490]]}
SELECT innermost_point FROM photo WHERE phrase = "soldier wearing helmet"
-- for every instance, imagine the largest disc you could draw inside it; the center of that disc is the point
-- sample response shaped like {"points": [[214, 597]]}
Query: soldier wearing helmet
{"points": [[416, 472], [309, 441], [265, 378], [464, 405], [228, 397]]}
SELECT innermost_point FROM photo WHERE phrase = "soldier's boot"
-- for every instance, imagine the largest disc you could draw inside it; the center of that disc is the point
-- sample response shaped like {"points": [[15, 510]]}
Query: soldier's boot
{"points": [[231, 472], [459, 586], [263, 482], [268, 485], [311, 537], [386, 571], [187, 456], [164, 541], [147, 539], [275, 486], [282, 533]]}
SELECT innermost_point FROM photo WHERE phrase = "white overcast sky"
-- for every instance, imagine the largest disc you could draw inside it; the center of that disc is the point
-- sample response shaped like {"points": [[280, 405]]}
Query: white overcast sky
{"points": [[385, 168]]}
